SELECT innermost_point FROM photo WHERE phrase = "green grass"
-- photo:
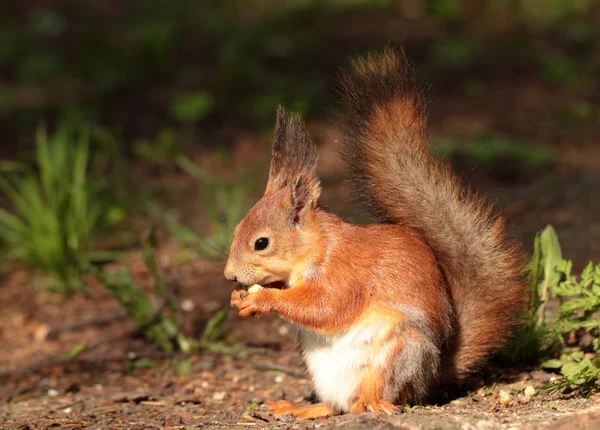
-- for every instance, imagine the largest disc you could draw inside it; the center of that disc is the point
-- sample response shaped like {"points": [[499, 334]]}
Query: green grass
{"points": [[159, 323], [225, 203], [56, 208]]}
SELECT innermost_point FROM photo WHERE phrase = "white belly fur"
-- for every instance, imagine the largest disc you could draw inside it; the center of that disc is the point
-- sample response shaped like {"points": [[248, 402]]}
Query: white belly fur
{"points": [[337, 362]]}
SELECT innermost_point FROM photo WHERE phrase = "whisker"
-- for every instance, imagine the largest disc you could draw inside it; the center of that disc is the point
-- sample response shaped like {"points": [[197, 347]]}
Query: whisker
{"points": [[296, 341], [224, 254], [226, 224]]}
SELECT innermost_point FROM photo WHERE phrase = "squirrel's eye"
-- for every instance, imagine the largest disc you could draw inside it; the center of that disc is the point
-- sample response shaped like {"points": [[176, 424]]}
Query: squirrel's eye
{"points": [[261, 244]]}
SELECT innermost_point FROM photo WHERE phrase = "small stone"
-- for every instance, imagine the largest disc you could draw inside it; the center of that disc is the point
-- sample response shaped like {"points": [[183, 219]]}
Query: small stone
{"points": [[529, 391], [187, 305], [52, 392], [219, 395], [504, 397], [235, 379], [279, 379], [204, 384], [67, 410], [251, 388], [41, 333], [131, 355]]}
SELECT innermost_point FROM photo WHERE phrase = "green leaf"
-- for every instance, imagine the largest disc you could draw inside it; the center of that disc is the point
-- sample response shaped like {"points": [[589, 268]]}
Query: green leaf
{"points": [[78, 349], [142, 363], [213, 327], [150, 260], [192, 107], [183, 367], [550, 257], [587, 275], [552, 364]]}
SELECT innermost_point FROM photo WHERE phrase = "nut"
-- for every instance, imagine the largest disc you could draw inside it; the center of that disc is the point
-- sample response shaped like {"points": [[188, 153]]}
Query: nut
{"points": [[254, 288]]}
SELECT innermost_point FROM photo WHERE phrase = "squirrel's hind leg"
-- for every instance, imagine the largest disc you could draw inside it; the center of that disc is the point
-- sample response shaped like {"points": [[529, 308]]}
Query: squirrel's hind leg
{"points": [[283, 407], [404, 371], [370, 394], [414, 368]]}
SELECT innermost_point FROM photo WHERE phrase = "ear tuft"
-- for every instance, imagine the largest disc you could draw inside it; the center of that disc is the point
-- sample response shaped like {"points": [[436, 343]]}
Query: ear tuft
{"points": [[294, 161], [304, 196]]}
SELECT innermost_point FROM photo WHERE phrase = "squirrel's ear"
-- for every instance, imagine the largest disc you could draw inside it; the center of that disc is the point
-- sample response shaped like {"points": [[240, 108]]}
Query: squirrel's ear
{"points": [[305, 193], [293, 161]]}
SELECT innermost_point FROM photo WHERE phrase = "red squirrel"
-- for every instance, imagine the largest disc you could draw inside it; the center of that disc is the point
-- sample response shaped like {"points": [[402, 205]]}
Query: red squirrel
{"points": [[392, 310]]}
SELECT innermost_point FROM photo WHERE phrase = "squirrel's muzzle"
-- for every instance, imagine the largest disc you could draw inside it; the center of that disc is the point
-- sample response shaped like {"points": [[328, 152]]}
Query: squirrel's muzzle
{"points": [[230, 272]]}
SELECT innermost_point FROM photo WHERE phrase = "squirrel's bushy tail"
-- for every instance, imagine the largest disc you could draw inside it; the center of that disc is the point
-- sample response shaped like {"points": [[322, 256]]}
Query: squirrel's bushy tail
{"points": [[384, 135]]}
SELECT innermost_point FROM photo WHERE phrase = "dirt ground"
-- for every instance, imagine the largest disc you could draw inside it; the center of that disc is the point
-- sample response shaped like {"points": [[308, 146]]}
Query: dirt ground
{"points": [[99, 390], [223, 390]]}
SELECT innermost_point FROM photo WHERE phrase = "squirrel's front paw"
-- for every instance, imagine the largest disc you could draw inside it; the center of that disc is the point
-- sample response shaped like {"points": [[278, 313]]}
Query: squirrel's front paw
{"points": [[236, 298], [250, 304]]}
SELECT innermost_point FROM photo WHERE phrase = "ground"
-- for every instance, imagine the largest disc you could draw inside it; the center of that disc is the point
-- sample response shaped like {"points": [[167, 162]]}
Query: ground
{"points": [[108, 385], [223, 390]]}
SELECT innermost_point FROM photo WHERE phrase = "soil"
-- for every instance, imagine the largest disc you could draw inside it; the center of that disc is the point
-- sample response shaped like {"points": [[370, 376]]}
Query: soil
{"points": [[99, 390]]}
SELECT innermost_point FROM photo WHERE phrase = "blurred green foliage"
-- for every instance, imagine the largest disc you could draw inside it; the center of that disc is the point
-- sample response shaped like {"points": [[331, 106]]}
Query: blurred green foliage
{"points": [[225, 204], [57, 207], [187, 60], [191, 107], [557, 340], [490, 147], [159, 323]]}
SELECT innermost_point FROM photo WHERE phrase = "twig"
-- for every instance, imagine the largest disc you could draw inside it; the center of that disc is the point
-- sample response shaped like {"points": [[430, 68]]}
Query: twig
{"points": [[70, 405], [117, 316]]}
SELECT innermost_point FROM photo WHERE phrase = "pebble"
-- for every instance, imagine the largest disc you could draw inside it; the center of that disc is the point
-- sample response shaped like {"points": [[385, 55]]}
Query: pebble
{"points": [[52, 392], [41, 333], [219, 395], [279, 379], [187, 305], [505, 397], [529, 391], [67, 410]]}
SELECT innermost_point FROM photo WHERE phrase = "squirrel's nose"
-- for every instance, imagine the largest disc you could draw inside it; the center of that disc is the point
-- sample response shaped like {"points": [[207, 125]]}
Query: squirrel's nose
{"points": [[230, 273]]}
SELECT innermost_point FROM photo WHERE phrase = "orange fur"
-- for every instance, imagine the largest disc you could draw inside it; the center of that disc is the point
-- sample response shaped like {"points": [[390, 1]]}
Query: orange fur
{"points": [[390, 310], [395, 176], [282, 407]]}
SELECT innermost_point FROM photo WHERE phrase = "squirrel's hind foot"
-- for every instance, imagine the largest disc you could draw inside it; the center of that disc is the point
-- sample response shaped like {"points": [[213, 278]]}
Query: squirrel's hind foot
{"points": [[283, 407], [376, 406]]}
